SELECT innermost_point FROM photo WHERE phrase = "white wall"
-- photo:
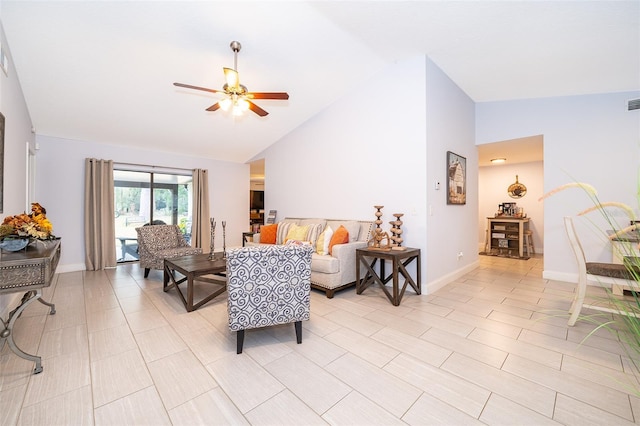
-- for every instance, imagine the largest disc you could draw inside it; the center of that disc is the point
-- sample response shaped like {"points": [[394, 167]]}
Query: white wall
{"points": [[592, 139], [60, 188], [493, 182], [372, 148], [451, 229], [16, 137]]}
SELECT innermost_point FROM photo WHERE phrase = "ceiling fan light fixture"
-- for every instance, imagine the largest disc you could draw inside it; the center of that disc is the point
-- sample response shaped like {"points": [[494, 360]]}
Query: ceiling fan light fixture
{"points": [[236, 95], [225, 104], [242, 104]]}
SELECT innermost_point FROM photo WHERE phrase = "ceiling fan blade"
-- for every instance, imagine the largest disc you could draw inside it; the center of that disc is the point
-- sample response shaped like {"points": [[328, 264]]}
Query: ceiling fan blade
{"points": [[188, 86], [232, 77], [255, 108], [214, 107], [268, 95]]}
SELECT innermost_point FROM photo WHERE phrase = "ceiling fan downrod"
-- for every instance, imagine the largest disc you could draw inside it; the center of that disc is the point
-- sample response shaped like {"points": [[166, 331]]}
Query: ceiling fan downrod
{"points": [[235, 46]]}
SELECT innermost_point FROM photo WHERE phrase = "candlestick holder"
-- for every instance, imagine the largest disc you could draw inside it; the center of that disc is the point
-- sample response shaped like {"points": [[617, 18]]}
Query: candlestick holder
{"points": [[396, 232], [378, 235], [224, 239], [212, 243]]}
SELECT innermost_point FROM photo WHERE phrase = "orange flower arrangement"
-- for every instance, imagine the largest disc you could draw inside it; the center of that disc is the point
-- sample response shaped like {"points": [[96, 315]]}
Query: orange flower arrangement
{"points": [[34, 225]]}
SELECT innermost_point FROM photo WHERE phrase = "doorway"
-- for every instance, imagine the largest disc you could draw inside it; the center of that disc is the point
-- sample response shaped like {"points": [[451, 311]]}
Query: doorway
{"points": [[524, 159], [256, 195]]}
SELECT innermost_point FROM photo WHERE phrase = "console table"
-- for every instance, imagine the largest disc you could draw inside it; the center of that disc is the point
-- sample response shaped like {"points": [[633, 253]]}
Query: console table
{"points": [[27, 270], [368, 257], [505, 236]]}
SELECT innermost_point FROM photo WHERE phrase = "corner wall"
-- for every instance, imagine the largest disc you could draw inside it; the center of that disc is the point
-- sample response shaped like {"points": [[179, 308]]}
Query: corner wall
{"points": [[377, 148]]}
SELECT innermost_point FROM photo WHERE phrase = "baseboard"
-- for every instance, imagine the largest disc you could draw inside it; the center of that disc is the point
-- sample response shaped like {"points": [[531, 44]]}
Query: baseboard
{"points": [[72, 267], [560, 276], [436, 285]]}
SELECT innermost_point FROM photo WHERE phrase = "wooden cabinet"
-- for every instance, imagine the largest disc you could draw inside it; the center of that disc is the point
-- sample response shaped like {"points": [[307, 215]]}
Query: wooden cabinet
{"points": [[505, 236]]}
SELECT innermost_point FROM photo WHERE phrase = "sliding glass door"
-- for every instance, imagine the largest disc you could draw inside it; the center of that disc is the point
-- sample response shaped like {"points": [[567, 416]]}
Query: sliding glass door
{"points": [[143, 198]]}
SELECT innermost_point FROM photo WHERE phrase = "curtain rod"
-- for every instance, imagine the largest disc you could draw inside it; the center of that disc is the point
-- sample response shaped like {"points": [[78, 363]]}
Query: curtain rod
{"points": [[151, 167]]}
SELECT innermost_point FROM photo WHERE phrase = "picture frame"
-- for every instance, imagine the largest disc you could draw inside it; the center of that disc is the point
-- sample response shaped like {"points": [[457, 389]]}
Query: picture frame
{"points": [[456, 179]]}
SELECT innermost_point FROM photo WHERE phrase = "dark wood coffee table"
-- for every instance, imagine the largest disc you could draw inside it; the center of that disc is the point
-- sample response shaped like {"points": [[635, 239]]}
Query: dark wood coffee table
{"points": [[194, 268]]}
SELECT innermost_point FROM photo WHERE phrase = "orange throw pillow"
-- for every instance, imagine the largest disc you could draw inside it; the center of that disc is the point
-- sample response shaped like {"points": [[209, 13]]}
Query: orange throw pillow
{"points": [[268, 234], [340, 236]]}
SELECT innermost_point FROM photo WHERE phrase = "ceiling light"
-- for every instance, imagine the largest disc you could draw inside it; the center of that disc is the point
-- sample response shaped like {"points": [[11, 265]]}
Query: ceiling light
{"points": [[498, 160]]}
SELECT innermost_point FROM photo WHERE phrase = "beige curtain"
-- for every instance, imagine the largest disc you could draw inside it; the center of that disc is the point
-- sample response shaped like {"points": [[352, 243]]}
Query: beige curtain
{"points": [[99, 220], [200, 227]]}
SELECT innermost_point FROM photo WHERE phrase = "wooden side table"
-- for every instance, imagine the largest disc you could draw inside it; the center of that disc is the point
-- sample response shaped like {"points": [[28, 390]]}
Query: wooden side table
{"points": [[368, 257], [246, 235]]}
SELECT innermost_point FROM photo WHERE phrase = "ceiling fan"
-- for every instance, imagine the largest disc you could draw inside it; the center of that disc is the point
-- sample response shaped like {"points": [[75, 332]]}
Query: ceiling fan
{"points": [[237, 98]]}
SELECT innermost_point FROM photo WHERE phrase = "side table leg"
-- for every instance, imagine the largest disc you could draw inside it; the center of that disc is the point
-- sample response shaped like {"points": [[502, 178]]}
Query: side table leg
{"points": [[396, 299], [7, 335], [52, 306]]}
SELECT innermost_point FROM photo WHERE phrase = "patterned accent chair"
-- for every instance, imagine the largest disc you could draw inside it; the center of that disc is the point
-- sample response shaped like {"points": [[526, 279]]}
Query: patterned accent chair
{"points": [[268, 285], [159, 242]]}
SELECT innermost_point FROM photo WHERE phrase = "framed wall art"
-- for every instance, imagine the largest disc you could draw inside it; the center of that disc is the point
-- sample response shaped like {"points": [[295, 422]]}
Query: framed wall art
{"points": [[456, 179]]}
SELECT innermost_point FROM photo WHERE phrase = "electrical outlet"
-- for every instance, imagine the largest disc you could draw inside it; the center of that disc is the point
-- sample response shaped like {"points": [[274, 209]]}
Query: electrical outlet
{"points": [[460, 255]]}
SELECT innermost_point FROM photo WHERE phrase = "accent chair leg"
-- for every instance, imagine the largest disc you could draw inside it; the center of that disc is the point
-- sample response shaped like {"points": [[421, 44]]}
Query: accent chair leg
{"points": [[578, 300], [298, 325], [240, 341], [330, 293], [146, 272]]}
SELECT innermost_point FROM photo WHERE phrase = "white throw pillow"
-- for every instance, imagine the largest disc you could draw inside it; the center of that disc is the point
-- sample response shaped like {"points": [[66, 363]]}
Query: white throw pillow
{"points": [[322, 245]]}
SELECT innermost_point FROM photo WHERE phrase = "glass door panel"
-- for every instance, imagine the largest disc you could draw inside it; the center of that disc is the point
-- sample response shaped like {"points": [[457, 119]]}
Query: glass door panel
{"points": [[144, 197]]}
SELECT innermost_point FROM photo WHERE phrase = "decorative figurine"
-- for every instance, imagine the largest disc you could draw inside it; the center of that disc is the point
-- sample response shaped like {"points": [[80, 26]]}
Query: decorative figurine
{"points": [[396, 232], [378, 234], [213, 239]]}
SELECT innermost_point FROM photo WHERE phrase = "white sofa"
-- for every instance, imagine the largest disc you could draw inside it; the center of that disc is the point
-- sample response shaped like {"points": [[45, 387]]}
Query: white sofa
{"points": [[330, 273]]}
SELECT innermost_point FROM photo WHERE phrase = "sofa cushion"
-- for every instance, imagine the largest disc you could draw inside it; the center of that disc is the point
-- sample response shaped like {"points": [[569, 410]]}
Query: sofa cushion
{"points": [[297, 232], [313, 222], [315, 229], [353, 226], [283, 230], [325, 264], [322, 245], [268, 233], [341, 236]]}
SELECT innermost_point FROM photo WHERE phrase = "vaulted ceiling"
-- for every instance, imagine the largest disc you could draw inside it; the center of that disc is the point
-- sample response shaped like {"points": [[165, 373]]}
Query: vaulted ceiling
{"points": [[103, 70]]}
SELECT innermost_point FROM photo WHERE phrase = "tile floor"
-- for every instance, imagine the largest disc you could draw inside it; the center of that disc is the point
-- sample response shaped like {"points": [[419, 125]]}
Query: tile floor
{"points": [[490, 348]]}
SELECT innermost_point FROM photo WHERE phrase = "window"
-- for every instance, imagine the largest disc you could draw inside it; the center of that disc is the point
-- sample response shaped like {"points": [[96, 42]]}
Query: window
{"points": [[142, 197]]}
